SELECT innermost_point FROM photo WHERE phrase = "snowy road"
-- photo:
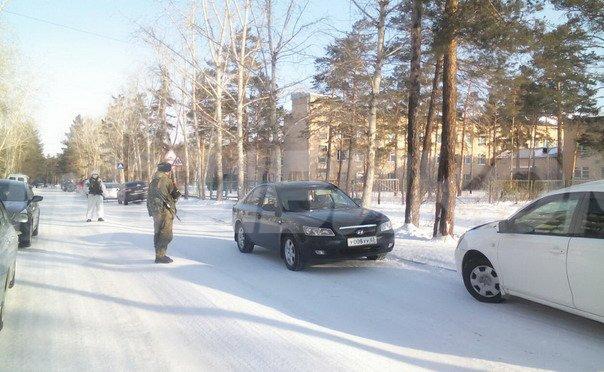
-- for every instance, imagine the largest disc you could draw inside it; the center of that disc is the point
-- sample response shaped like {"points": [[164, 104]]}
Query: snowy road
{"points": [[88, 297]]}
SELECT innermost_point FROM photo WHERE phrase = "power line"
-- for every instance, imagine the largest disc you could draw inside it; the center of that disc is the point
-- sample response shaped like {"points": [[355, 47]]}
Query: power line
{"points": [[66, 27]]}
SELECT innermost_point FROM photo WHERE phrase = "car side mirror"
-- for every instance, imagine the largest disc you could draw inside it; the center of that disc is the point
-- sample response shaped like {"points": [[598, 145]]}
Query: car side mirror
{"points": [[358, 201], [37, 199], [504, 227]]}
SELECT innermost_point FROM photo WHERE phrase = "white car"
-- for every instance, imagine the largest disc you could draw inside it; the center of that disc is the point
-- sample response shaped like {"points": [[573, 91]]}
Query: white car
{"points": [[110, 190], [551, 252]]}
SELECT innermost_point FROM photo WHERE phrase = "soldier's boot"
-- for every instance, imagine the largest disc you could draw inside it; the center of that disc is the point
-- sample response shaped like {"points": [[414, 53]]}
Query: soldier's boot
{"points": [[163, 259]]}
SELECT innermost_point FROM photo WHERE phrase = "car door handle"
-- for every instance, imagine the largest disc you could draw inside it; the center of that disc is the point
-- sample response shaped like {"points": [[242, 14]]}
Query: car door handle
{"points": [[557, 251]]}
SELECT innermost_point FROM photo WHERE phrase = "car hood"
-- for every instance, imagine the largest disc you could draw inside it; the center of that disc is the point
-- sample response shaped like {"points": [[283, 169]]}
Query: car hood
{"points": [[14, 207], [337, 218]]}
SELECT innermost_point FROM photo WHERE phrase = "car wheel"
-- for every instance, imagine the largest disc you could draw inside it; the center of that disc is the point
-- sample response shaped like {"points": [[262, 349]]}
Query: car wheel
{"points": [[125, 201], [244, 244], [482, 281], [291, 254], [377, 257], [25, 237], [35, 232], [2, 305], [12, 281]]}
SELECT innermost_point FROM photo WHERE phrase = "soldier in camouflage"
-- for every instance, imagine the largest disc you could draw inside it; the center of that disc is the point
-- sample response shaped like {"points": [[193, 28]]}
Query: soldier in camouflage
{"points": [[161, 204]]}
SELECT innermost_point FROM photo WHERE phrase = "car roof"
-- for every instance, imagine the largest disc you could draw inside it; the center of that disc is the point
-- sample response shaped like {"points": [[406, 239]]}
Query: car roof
{"points": [[299, 184], [594, 186], [12, 182]]}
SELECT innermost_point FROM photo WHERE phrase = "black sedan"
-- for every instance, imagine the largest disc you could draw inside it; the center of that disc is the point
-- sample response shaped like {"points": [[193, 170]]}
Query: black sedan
{"points": [[310, 222], [132, 191], [19, 199]]}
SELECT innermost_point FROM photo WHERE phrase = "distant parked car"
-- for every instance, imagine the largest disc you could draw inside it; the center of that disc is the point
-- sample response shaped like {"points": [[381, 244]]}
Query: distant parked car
{"points": [[309, 222], [111, 190], [132, 191], [8, 256], [68, 186], [551, 252], [18, 177], [20, 202]]}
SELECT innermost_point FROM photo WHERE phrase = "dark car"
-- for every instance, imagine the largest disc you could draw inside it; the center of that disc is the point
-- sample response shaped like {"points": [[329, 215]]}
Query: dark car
{"points": [[132, 191], [310, 222], [19, 199]]}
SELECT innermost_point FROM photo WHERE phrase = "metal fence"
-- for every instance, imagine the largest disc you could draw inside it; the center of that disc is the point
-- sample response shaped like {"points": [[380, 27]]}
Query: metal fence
{"points": [[392, 190]]}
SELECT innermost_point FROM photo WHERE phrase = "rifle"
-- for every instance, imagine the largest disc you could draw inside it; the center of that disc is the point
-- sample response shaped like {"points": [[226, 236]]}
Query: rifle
{"points": [[169, 207]]}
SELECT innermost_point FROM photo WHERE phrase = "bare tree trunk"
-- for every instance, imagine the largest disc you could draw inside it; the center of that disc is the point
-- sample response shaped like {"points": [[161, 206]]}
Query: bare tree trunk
{"points": [[218, 119], [241, 55], [559, 124], [349, 164], [430, 127], [463, 139], [340, 161], [412, 197], [328, 157], [186, 150], [446, 178], [375, 90]]}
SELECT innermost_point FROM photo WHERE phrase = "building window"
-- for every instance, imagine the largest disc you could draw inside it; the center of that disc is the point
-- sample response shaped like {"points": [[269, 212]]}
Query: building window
{"points": [[482, 140], [341, 155], [467, 177], [583, 151], [392, 157], [482, 159], [581, 173], [391, 175], [467, 159], [322, 159]]}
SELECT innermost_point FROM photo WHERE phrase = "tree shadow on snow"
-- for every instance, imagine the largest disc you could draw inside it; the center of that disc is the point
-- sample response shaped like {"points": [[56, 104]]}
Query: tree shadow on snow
{"points": [[427, 308]]}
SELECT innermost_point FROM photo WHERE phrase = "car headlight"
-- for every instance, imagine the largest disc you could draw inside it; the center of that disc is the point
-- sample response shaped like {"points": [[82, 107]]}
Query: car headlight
{"points": [[386, 226], [317, 231]]}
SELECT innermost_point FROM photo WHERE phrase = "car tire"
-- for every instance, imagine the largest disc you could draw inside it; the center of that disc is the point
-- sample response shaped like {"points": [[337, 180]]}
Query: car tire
{"points": [[35, 232], [244, 244], [26, 240], [290, 251], [377, 257], [125, 201], [481, 280], [12, 281], [2, 304]]}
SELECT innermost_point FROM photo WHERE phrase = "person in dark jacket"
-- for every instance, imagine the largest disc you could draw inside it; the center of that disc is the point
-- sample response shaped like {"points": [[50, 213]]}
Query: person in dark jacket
{"points": [[95, 198], [161, 205]]}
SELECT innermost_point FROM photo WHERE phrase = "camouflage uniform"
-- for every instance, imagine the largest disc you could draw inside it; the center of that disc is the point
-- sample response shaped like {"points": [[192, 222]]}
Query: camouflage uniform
{"points": [[161, 204]]}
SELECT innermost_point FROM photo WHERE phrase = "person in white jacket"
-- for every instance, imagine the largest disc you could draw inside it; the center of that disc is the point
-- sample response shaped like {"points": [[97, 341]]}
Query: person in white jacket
{"points": [[95, 198]]}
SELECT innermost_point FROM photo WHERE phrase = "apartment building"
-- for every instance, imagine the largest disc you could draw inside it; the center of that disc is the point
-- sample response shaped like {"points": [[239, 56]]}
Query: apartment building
{"points": [[306, 148]]}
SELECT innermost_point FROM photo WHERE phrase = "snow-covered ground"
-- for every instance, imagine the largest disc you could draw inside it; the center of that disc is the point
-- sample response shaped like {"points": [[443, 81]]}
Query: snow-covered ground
{"points": [[88, 297]]}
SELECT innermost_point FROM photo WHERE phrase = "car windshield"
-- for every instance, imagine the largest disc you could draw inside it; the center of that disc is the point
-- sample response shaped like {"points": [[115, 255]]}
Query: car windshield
{"points": [[316, 198], [12, 192]]}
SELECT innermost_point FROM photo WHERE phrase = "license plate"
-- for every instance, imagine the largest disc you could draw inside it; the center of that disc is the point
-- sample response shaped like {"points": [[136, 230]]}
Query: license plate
{"points": [[366, 240]]}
